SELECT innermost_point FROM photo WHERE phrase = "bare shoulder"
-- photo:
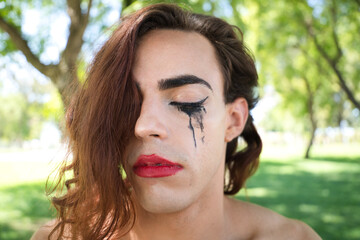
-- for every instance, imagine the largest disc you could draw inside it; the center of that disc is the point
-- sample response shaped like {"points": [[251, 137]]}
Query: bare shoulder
{"points": [[262, 223], [44, 231], [295, 229]]}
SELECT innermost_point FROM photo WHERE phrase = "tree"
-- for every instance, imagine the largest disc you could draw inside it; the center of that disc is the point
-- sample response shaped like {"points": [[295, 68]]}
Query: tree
{"points": [[296, 61], [302, 53], [327, 41], [64, 71], [61, 73]]}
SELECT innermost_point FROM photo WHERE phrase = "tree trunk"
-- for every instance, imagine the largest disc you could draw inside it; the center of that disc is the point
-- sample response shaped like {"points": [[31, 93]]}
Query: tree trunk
{"points": [[333, 61], [63, 73], [311, 140], [312, 118]]}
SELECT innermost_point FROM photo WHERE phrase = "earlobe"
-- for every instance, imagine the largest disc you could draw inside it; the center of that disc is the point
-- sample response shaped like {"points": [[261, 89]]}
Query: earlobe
{"points": [[237, 114]]}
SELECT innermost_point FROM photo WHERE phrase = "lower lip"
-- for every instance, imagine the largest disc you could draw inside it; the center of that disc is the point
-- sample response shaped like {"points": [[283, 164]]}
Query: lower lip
{"points": [[157, 171]]}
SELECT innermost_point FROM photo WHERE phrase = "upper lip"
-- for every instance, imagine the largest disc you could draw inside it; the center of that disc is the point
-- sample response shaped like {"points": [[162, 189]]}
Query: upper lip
{"points": [[153, 160]]}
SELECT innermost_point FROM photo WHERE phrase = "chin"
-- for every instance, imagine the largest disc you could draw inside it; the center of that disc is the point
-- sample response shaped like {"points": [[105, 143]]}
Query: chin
{"points": [[163, 203]]}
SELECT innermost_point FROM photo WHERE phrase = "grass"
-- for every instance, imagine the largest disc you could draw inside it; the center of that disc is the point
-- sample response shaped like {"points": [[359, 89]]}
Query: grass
{"points": [[24, 208], [322, 191]]}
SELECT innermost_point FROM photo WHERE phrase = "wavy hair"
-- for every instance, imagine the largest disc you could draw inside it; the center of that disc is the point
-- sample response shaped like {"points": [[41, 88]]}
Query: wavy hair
{"points": [[101, 117]]}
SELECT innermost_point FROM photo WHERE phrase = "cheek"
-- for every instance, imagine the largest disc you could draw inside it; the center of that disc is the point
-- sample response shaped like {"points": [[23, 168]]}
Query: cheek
{"points": [[204, 125], [214, 127], [212, 146]]}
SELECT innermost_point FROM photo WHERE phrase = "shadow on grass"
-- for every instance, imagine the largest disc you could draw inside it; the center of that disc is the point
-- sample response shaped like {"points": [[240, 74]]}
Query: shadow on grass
{"points": [[329, 203], [23, 209]]}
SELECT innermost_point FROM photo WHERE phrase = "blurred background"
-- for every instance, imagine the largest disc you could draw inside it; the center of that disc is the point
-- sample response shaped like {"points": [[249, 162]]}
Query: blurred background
{"points": [[308, 58]]}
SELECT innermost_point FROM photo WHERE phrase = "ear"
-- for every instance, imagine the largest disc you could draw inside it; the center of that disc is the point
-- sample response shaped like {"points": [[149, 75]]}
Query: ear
{"points": [[236, 116]]}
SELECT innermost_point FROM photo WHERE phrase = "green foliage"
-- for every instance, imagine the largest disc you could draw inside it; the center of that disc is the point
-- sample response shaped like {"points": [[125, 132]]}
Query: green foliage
{"points": [[14, 115], [53, 109], [289, 60], [200, 6], [20, 120], [23, 113], [6, 45], [13, 13], [11, 10], [13, 16]]}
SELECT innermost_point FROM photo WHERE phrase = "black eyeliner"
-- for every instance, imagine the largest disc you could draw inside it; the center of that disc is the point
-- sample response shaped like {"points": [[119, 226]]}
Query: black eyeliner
{"points": [[188, 105], [192, 109]]}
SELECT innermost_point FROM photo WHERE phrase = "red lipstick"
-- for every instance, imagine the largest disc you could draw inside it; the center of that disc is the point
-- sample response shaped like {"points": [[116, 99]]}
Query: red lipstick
{"points": [[153, 166]]}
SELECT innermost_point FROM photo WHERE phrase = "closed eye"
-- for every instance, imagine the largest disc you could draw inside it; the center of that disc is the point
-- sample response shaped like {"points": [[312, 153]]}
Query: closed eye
{"points": [[190, 107]]}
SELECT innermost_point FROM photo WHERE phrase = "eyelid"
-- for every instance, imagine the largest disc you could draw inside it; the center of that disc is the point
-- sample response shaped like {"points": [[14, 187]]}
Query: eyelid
{"points": [[198, 103]]}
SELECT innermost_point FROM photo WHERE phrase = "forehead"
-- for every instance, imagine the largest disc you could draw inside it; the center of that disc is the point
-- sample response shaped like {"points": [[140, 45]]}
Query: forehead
{"points": [[164, 54]]}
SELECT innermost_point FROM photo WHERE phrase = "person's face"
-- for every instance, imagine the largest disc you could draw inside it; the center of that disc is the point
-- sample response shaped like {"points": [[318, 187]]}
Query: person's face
{"points": [[183, 119]]}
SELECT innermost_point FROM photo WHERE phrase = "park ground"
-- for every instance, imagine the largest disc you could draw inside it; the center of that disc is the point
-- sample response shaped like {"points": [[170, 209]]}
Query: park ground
{"points": [[322, 191]]}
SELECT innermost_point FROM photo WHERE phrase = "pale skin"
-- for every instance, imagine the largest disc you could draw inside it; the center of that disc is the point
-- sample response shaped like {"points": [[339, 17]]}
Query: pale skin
{"points": [[190, 204]]}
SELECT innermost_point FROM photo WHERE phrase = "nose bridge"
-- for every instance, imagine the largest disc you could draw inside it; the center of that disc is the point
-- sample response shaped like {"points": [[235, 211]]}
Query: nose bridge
{"points": [[150, 122]]}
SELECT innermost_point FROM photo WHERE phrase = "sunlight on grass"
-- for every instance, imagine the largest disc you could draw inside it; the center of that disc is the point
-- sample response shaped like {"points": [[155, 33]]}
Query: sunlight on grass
{"points": [[28, 165], [317, 166], [259, 192], [281, 152], [23, 171], [332, 218], [308, 208], [337, 150], [289, 152], [354, 233]]}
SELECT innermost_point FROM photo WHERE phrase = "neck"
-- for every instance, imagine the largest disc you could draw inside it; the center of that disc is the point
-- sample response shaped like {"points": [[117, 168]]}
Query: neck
{"points": [[195, 222]]}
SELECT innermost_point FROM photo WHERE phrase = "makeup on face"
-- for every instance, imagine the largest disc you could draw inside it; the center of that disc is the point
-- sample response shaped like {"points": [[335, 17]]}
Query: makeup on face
{"points": [[193, 110], [154, 166]]}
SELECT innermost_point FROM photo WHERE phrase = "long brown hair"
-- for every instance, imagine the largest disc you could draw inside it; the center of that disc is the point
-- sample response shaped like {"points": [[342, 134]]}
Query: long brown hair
{"points": [[104, 110]]}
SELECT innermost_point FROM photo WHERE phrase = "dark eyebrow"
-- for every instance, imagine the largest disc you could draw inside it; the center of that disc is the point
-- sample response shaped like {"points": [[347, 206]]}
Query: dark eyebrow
{"points": [[181, 80]]}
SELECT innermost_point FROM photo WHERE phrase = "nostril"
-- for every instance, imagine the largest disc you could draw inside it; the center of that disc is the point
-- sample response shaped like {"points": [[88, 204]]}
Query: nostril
{"points": [[149, 125]]}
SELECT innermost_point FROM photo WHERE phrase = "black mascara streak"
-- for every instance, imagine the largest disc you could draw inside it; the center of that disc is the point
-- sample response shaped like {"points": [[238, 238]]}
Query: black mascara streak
{"points": [[192, 109], [192, 129]]}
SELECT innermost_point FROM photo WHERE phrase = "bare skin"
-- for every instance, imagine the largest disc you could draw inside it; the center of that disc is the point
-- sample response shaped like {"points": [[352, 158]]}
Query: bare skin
{"points": [[259, 224], [237, 220], [190, 204]]}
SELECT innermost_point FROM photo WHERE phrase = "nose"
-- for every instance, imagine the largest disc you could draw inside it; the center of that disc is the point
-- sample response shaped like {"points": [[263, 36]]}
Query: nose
{"points": [[151, 122]]}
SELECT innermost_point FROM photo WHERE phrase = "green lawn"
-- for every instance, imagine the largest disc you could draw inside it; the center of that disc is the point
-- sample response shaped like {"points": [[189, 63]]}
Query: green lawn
{"points": [[23, 208], [323, 191]]}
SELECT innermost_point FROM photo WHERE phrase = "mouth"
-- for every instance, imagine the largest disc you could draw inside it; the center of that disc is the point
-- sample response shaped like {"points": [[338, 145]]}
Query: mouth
{"points": [[153, 166]]}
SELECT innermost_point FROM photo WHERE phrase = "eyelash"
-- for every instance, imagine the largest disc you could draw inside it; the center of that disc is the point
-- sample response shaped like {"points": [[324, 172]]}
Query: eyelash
{"points": [[189, 107]]}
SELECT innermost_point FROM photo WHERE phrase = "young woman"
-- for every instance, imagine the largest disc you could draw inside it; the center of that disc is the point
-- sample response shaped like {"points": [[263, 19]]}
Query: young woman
{"points": [[153, 133]]}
